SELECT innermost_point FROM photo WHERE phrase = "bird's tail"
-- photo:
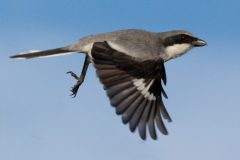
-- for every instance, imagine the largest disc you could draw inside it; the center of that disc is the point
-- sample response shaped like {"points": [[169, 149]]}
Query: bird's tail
{"points": [[45, 53]]}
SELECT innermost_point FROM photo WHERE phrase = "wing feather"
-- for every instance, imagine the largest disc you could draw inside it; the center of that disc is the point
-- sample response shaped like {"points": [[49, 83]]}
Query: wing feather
{"points": [[151, 125], [134, 87]]}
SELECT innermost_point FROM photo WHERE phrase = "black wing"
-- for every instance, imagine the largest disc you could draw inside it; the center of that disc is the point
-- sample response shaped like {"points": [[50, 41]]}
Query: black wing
{"points": [[134, 88]]}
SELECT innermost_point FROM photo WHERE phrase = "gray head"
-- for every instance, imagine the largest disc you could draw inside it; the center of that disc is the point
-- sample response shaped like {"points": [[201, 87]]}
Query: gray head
{"points": [[178, 42]]}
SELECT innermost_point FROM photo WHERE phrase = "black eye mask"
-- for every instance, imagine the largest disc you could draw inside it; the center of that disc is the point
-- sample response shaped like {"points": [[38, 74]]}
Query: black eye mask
{"points": [[178, 39]]}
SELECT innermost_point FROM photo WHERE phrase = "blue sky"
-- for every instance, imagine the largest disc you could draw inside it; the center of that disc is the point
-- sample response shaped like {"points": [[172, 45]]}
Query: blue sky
{"points": [[39, 120]]}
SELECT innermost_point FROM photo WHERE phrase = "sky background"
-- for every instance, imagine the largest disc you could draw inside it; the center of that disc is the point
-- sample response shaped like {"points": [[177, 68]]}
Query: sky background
{"points": [[40, 121]]}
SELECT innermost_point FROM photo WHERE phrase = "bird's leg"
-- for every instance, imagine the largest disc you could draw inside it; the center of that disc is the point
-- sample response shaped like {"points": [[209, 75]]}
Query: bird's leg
{"points": [[79, 79]]}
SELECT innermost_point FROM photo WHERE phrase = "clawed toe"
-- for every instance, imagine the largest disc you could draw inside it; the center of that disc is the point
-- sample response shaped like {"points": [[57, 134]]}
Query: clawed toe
{"points": [[73, 75], [74, 90]]}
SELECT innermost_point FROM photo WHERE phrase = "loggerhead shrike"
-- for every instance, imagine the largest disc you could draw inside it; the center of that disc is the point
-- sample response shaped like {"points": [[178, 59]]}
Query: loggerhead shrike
{"points": [[130, 65]]}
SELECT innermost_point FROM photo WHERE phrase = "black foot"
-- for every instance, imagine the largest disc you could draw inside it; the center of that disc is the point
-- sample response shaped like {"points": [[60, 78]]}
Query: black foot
{"points": [[75, 88]]}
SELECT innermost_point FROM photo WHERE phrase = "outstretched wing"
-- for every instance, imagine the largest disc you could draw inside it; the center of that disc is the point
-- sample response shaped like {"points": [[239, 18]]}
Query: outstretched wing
{"points": [[134, 88]]}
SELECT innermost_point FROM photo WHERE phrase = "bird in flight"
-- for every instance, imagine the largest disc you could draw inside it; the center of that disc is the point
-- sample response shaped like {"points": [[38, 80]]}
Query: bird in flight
{"points": [[130, 65]]}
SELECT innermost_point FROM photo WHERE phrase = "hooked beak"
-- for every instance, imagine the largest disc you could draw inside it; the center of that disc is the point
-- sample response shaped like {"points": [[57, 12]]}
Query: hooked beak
{"points": [[199, 43]]}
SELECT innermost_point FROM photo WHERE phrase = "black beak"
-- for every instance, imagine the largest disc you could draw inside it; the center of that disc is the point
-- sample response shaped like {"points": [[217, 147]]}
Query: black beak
{"points": [[199, 43]]}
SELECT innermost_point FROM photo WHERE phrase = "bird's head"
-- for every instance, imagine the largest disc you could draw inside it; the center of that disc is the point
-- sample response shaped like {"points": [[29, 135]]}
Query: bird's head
{"points": [[178, 42]]}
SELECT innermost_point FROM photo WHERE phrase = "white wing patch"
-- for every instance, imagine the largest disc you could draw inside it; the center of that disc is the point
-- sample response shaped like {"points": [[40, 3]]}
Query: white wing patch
{"points": [[141, 86], [88, 47], [117, 47], [138, 82]]}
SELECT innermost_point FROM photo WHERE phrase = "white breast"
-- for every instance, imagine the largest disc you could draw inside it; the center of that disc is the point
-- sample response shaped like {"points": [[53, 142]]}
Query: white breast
{"points": [[177, 50]]}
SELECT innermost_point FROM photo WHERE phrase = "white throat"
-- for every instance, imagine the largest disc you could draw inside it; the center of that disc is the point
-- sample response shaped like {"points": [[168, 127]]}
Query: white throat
{"points": [[176, 50]]}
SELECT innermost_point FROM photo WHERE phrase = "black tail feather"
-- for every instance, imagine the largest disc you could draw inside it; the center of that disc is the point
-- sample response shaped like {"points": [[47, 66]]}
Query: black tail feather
{"points": [[34, 54]]}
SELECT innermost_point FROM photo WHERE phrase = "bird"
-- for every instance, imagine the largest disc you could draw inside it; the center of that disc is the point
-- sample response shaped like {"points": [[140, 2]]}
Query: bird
{"points": [[130, 65]]}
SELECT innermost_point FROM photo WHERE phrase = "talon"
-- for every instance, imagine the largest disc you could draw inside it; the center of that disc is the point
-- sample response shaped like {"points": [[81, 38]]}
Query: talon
{"points": [[74, 89]]}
